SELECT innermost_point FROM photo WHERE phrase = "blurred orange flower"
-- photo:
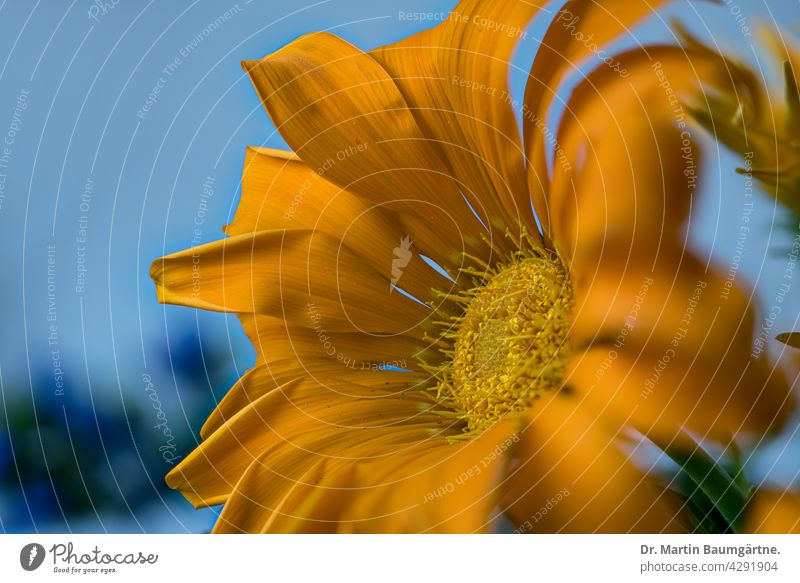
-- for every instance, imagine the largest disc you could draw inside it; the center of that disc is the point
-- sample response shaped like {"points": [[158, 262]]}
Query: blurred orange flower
{"points": [[774, 512]]}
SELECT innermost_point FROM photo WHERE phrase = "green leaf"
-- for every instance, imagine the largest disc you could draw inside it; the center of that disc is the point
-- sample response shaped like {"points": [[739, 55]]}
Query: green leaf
{"points": [[725, 494]]}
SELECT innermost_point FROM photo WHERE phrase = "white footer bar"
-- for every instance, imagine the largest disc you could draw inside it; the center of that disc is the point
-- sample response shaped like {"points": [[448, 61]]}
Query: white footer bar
{"points": [[417, 559]]}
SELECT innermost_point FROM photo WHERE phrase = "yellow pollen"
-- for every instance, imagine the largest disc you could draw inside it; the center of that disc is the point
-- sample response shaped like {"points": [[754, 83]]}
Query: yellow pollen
{"points": [[511, 344]]}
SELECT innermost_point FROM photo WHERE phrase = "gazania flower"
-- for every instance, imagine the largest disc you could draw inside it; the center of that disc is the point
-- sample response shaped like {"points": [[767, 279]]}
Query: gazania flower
{"points": [[428, 359]]}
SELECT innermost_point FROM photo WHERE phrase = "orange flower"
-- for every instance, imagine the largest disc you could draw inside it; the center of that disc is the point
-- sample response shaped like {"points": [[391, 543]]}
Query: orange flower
{"points": [[400, 232]]}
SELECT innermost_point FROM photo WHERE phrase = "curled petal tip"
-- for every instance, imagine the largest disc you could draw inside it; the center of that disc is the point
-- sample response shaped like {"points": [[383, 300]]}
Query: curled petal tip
{"points": [[789, 338]]}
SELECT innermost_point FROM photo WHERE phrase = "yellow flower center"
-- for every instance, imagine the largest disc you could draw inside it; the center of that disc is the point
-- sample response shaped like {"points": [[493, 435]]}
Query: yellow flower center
{"points": [[511, 344]]}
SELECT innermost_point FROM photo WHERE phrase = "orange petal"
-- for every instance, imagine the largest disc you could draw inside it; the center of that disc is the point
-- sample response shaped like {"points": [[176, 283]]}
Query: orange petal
{"points": [[436, 488], [264, 378], [311, 505], [281, 192], [570, 476], [296, 275], [675, 347], [455, 79], [302, 416], [581, 29], [275, 339], [789, 338], [344, 116], [292, 489], [773, 512], [634, 162], [287, 353], [663, 393]]}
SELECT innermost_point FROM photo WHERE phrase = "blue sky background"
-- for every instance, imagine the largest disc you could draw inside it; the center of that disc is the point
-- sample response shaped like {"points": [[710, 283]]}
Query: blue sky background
{"points": [[86, 80]]}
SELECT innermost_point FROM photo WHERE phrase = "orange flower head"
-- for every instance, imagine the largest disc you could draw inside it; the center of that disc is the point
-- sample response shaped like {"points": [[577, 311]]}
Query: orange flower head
{"points": [[429, 358]]}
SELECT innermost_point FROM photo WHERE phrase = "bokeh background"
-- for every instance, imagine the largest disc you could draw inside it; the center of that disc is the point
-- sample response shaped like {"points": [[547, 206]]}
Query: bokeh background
{"points": [[124, 125]]}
